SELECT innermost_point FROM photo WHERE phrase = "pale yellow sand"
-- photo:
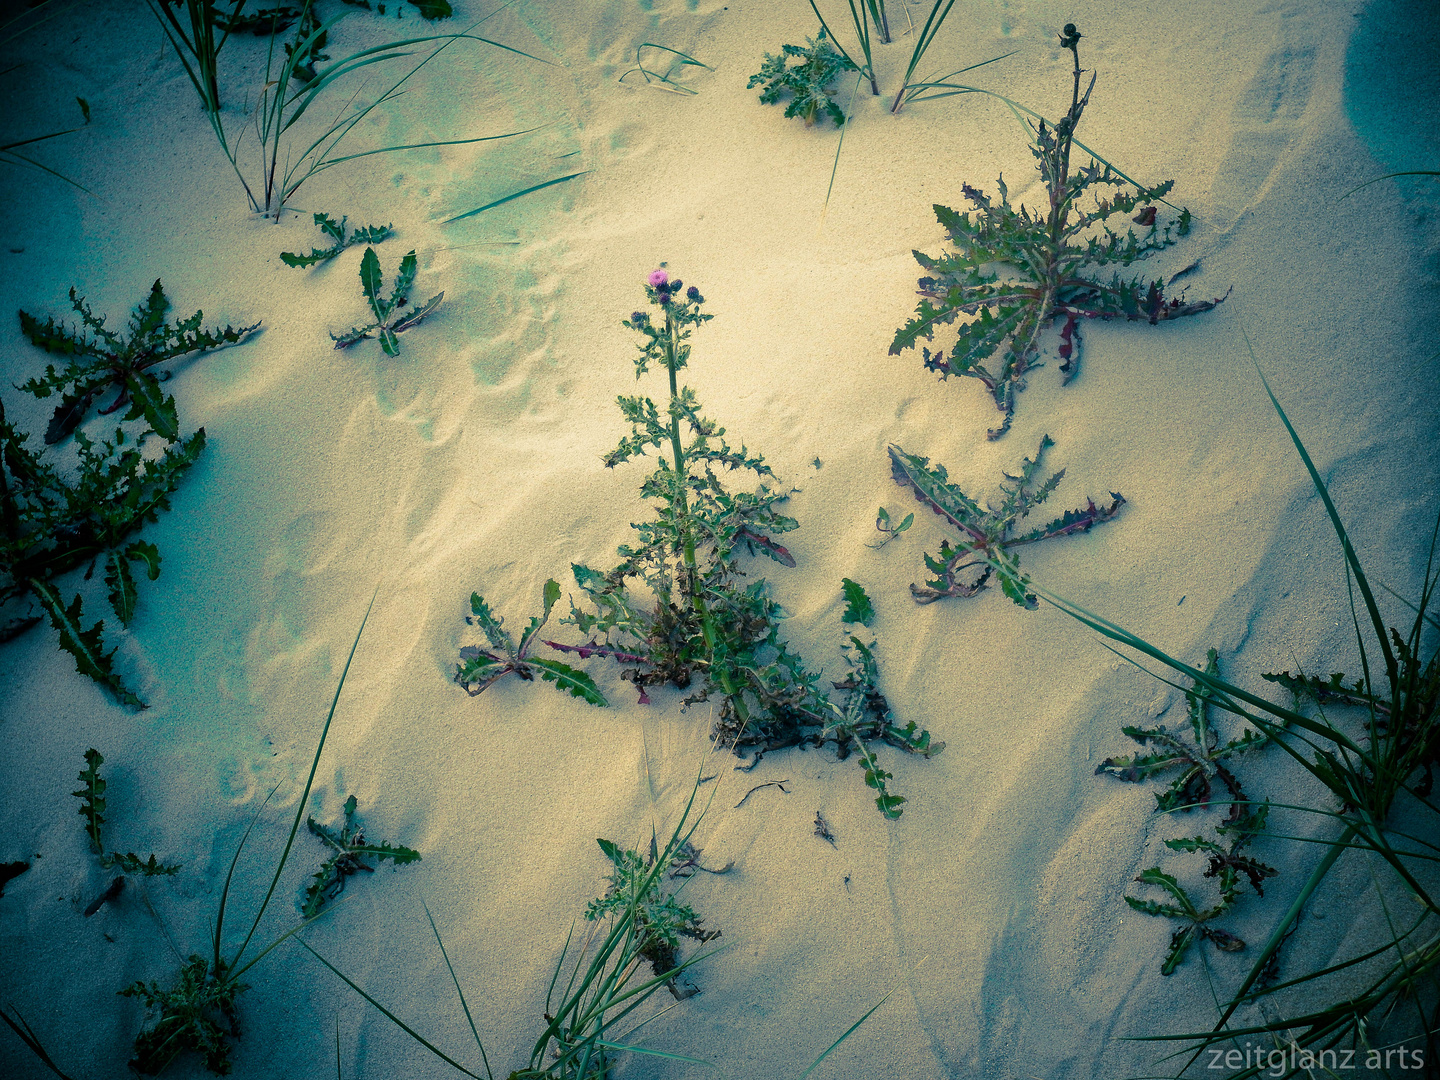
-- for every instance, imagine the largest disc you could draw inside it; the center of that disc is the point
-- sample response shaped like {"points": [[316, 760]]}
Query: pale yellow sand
{"points": [[993, 907]]}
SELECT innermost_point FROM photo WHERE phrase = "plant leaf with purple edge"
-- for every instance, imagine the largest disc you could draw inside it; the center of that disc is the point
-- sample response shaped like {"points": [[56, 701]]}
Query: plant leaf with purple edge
{"points": [[480, 668], [389, 321], [987, 534], [1014, 273]]}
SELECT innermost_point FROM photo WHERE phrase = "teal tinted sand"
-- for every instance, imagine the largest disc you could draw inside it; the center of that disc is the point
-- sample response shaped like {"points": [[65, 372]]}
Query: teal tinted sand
{"points": [[473, 460]]}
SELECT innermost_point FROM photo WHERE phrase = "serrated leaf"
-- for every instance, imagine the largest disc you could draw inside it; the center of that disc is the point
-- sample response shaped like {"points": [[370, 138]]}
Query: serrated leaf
{"points": [[92, 798], [404, 281], [566, 678], [121, 584], [130, 863], [86, 646], [149, 401], [858, 608]]}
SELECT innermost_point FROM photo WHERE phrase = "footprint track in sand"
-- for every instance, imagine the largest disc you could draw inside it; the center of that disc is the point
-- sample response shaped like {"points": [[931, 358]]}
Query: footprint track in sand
{"points": [[1268, 120]]}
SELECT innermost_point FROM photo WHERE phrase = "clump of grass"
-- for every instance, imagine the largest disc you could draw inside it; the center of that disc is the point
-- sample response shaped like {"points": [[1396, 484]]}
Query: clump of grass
{"points": [[632, 924], [102, 360], [369, 234], [987, 533], [679, 608], [350, 854], [1375, 757], [1017, 272], [586, 1020], [390, 318], [285, 165]]}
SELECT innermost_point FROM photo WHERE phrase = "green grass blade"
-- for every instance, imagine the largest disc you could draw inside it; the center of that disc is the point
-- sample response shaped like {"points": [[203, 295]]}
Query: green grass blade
{"points": [[389, 1015], [29, 1038], [460, 993], [329, 161], [1351, 558], [831, 35], [835, 168], [849, 1031], [304, 795], [516, 195]]}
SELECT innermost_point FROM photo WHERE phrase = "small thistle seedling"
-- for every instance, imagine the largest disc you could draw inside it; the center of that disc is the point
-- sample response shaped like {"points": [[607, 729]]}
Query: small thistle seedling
{"points": [[370, 234], [700, 616], [987, 534], [92, 809], [102, 359], [351, 849], [1228, 865], [807, 83], [1017, 272], [888, 531], [388, 319], [51, 524], [480, 668], [1200, 760]]}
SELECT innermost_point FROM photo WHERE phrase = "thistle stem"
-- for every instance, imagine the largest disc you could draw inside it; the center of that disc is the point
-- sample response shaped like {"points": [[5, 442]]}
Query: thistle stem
{"points": [[707, 621]]}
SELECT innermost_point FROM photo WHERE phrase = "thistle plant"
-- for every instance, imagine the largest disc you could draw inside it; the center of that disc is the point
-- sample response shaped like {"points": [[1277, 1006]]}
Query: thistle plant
{"points": [[369, 234], [102, 360], [1199, 760], [807, 83], [1017, 272], [389, 318], [350, 852], [52, 523], [1200, 763], [679, 608], [659, 918], [987, 533]]}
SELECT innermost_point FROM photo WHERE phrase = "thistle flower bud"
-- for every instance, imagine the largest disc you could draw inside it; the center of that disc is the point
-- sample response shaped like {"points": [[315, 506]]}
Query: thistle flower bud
{"points": [[694, 294]]}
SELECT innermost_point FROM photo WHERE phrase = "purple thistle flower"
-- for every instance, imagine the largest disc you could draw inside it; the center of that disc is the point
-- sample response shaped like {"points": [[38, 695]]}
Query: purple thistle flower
{"points": [[657, 278]]}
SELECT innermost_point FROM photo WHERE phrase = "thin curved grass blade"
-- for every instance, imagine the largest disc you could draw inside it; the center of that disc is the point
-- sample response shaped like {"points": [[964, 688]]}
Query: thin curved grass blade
{"points": [[849, 1031], [304, 799], [515, 195]]}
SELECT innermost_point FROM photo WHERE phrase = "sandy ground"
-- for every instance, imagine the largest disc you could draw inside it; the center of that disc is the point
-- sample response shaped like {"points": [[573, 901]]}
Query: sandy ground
{"points": [[993, 907]]}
